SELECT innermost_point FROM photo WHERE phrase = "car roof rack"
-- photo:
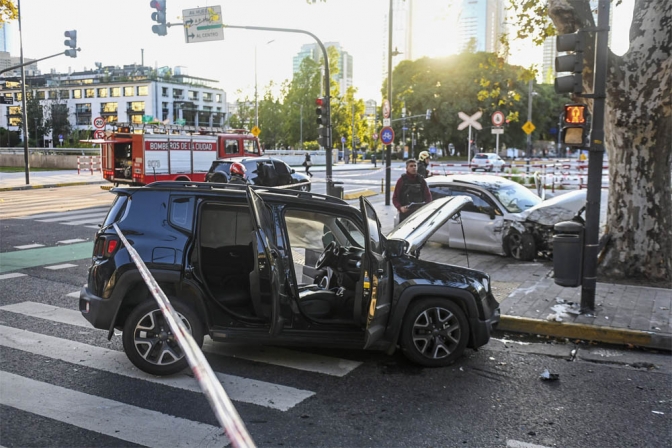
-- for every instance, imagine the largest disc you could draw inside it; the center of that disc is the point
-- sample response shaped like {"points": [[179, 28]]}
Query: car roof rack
{"points": [[215, 185]]}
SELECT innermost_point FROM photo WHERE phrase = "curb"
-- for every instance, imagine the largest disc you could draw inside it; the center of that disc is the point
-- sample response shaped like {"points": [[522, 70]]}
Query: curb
{"points": [[66, 184], [608, 335], [365, 193]]}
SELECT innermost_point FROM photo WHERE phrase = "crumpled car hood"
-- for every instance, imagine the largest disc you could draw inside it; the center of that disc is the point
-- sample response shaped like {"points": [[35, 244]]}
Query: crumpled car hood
{"points": [[560, 208]]}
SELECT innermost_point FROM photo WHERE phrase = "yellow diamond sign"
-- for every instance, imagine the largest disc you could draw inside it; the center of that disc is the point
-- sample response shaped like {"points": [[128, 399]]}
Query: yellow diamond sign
{"points": [[528, 127], [256, 131]]}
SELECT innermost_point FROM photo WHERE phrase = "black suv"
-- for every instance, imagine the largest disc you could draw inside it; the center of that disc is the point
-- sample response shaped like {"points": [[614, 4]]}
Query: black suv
{"points": [[262, 171], [280, 266]]}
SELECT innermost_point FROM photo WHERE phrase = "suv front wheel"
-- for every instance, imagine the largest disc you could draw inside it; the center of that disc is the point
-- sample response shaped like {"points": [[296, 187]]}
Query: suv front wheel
{"points": [[434, 332], [149, 342]]}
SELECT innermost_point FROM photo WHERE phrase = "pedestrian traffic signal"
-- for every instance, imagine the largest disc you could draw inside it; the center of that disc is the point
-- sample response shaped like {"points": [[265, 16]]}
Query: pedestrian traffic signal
{"points": [[573, 62], [323, 136], [574, 125], [159, 16], [71, 42]]}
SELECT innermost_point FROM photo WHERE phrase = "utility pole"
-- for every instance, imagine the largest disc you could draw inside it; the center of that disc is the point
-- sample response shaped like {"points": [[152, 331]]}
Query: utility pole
{"points": [[529, 119], [354, 153], [24, 118], [388, 150]]}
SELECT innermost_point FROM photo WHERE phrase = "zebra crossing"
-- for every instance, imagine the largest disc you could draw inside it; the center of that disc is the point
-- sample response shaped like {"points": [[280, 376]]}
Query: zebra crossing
{"points": [[75, 407], [90, 218]]}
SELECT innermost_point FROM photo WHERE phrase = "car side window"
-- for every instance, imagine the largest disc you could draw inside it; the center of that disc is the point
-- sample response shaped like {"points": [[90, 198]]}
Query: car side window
{"points": [[440, 192], [231, 146], [182, 212]]}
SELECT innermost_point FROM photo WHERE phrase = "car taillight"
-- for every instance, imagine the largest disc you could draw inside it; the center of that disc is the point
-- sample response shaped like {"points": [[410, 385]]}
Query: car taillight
{"points": [[98, 248], [111, 245]]}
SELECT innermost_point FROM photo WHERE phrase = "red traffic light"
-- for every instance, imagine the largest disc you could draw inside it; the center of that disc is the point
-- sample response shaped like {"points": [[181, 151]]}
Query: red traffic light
{"points": [[319, 102], [159, 5], [575, 114]]}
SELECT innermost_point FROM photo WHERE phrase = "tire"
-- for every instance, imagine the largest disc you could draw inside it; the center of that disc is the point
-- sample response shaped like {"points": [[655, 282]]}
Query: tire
{"points": [[218, 178], [520, 246], [138, 335], [425, 341]]}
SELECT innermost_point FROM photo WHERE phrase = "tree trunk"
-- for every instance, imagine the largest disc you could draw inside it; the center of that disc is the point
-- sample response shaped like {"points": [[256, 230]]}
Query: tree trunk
{"points": [[638, 140]]}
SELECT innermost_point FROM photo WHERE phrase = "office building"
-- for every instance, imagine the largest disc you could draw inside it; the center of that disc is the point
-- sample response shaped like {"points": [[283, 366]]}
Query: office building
{"points": [[480, 24], [314, 52]]}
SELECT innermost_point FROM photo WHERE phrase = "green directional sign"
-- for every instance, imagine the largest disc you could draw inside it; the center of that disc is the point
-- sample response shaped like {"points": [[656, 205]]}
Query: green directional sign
{"points": [[181, 121], [147, 118]]}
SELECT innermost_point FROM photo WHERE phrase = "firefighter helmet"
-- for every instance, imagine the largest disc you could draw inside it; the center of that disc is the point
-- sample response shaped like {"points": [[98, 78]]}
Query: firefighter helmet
{"points": [[237, 168], [423, 156]]}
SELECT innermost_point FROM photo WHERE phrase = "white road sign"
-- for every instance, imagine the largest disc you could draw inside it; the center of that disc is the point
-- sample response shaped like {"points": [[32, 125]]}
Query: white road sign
{"points": [[497, 131], [387, 121], [470, 121], [203, 24], [498, 118]]}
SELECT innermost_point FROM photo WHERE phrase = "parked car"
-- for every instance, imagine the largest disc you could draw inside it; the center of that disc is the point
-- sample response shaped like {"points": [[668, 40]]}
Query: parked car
{"points": [[487, 161], [504, 217], [262, 171], [279, 266]]}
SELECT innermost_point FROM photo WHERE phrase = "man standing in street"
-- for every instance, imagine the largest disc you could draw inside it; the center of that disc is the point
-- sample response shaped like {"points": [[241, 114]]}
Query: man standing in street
{"points": [[411, 191]]}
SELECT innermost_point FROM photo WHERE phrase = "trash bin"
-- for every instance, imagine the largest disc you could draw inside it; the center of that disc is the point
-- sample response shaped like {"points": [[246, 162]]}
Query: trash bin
{"points": [[336, 190], [568, 253]]}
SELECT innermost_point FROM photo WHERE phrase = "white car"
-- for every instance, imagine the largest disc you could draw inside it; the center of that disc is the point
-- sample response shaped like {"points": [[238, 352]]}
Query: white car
{"points": [[504, 217], [487, 161]]}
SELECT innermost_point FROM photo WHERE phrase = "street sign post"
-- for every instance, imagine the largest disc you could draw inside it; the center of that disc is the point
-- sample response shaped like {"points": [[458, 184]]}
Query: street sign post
{"points": [[528, 127], [256, 131], [469, 121], [203, 24]]}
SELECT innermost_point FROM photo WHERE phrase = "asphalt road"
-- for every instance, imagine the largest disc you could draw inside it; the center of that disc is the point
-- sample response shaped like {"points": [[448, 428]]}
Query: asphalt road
{"points": [[63, 384]]}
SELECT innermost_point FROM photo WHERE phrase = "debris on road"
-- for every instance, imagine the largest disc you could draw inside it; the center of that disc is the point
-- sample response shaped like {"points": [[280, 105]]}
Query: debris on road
{"points": [[547, 376]]}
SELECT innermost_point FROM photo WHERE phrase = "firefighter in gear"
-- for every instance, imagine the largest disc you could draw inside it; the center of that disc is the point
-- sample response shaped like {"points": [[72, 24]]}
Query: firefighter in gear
{"points": [[237, 174], [423, 164], [411, 191]]}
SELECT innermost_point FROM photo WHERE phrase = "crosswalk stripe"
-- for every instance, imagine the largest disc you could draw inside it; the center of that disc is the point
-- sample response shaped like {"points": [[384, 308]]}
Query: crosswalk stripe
{"points": [[56, 267], [286, 358], [69, 213], [261, 393], [73, 294], [12, 275], [90, 220], [28, 246], [84, 218], [74, 240], [269, 355], [105, 416]]}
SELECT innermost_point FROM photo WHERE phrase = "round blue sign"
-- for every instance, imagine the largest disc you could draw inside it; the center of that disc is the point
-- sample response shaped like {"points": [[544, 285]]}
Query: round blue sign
{"points": [[342, 139], [387, 135]]}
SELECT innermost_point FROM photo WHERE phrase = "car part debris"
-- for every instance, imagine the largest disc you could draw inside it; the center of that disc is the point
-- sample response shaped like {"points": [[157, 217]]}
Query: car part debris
{"points": [[547, 376]]}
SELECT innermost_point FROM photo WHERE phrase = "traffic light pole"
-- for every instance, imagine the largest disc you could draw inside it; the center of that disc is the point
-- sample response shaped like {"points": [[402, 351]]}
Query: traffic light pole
{"points": [[327, 95], [388, 149], [595, 160]]}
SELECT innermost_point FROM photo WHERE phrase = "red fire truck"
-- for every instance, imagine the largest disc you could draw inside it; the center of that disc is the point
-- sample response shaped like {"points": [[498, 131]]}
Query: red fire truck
{"points": [[169, 153]]}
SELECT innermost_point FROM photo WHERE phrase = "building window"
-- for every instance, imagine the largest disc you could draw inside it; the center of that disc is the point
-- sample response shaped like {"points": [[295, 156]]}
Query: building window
{"points": [[77, 94], [14, 116], [143, 90], [164, 91], [177, 94], [40, 94], [207, 96], [17, 96], [102, 92], [193, 96], [53, 95], [84, 108], [218, 98], [107, 108], [111, 118], [115, 91], [64, 94], [136, 119], [87, 81], [128, 91], [83, 120], [90, 93], [136, 106]]}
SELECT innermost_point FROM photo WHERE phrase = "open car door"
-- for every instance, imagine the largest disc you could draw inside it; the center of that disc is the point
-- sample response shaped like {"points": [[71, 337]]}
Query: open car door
{"points": [[373, 277], [268, 261]]}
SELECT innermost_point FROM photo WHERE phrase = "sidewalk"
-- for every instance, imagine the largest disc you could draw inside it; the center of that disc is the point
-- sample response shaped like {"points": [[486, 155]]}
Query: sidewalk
{"points": [[530, 300]]}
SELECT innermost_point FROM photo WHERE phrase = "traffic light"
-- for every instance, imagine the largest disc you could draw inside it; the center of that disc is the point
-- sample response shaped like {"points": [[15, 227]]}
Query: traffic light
{"points": [[574, 125], [321, 111], [71, 42], [575, 43], [429, 114], [159, 16]]}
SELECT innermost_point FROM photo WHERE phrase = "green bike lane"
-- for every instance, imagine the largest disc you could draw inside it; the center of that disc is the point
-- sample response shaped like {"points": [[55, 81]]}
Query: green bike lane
{"points": [[43, 256]]}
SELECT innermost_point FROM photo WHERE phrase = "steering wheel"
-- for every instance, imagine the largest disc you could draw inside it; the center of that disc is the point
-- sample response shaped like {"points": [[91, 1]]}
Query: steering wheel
{"points": [[513, 202], [328, 256]]}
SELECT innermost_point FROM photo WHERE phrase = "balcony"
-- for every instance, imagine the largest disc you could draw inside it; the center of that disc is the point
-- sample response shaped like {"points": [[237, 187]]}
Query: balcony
{"points": [[135, 112]]}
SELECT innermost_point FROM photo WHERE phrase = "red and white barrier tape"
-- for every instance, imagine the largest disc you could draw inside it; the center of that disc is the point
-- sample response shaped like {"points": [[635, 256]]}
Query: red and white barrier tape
{"points": [[219, 401]]}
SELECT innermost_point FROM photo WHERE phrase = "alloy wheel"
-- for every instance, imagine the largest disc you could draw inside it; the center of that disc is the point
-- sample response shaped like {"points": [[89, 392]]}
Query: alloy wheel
{"points": [[154, 340], [436, 332]]}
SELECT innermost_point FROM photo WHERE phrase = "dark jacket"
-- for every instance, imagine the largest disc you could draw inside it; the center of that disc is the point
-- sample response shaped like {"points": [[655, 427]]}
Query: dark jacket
{"points": [[410, 189]]}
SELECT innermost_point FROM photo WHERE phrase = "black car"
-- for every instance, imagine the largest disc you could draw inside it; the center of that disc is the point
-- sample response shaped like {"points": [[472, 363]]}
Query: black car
{"points": [[262, 171], [279, 266]]}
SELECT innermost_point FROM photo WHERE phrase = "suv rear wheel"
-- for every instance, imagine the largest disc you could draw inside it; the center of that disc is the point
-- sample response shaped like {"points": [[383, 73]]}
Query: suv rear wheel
{"points": [[434, 333], [149, 342]]}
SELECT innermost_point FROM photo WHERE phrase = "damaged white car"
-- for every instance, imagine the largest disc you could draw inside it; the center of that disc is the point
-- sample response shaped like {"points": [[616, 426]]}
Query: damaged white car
{"points": [[505, 218]]}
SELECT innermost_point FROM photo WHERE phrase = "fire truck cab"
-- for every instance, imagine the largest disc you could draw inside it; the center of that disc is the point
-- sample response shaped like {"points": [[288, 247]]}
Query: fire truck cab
{"points": [[156, 153]]}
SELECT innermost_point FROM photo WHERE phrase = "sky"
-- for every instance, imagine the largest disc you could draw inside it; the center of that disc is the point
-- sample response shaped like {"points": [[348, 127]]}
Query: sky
{"points": [[116, 33]]}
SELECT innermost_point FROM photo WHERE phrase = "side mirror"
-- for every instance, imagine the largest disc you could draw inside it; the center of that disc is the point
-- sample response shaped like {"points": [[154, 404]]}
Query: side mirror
{"points": [[395, 248], [293, 171]]}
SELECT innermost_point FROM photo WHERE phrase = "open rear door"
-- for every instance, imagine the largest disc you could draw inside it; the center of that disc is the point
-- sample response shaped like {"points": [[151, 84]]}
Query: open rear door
{"points": [[268, 258], [373, 271]]}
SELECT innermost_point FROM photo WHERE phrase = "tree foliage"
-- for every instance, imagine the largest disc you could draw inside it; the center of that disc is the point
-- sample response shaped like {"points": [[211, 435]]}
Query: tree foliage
{"points": [[8, 11]]}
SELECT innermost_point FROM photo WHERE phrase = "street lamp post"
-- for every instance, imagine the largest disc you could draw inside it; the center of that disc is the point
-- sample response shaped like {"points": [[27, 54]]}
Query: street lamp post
{"points": [[529, 119], [300, 125], [354, 154]]}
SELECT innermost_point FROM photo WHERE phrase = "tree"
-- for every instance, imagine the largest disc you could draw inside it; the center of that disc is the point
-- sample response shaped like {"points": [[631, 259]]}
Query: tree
{"points": [[8, 11], [638, 139]]}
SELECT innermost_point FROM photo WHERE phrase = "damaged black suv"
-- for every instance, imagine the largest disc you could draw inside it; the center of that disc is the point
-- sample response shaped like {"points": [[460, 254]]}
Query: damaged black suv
{"points": [[242, 263]]}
